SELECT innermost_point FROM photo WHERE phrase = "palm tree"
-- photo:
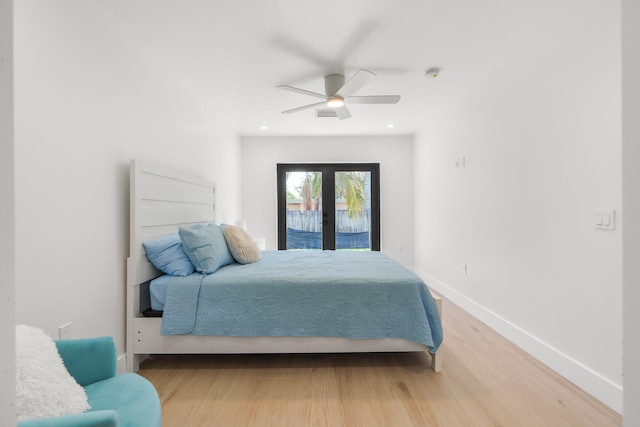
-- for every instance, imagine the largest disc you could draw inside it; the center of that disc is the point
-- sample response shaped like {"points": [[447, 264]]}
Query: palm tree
{"points": [[305, 194], [311, 190], [316, 189], [350, 186]]}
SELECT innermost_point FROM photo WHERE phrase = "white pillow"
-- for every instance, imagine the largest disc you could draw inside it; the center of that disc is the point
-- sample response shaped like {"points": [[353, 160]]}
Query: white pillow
{"points": [[44, 387]]}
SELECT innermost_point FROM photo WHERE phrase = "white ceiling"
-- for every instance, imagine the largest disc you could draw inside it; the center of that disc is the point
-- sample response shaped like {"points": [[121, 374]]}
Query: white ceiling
{"points": [[235, 53]]}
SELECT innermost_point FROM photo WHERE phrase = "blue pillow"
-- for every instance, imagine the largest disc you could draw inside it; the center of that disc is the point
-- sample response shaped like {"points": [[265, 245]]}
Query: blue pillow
{"points": [[167, 255], [205, 247]]}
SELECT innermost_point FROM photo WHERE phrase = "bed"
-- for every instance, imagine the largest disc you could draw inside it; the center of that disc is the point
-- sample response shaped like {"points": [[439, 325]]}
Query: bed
{"points": [[279, 310]]}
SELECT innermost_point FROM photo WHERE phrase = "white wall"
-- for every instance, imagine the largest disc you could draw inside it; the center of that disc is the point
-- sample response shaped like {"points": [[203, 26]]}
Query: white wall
{"points": [[260, 155], [631, 214], [88, 98], [542, 142], [7, 258]]}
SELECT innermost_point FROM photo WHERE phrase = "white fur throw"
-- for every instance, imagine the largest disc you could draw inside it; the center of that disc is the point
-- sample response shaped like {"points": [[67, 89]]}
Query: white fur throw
{"points": [[44, 387], [241, 245]]}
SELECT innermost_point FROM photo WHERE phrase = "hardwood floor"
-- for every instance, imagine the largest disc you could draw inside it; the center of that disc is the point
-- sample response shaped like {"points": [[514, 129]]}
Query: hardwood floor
{"points": [[486, 381]]}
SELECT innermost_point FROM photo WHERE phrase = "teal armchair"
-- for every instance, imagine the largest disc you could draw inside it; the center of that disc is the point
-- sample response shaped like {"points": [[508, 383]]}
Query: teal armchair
{"points": [[125, 400]]}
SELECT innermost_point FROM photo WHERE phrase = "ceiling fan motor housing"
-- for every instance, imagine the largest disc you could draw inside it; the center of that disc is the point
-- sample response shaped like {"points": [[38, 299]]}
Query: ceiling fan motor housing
{"points": [[333, 83]]}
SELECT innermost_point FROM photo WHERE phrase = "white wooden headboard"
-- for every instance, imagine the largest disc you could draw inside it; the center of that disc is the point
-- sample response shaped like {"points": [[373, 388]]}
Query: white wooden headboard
{"points": [[161, 200]]}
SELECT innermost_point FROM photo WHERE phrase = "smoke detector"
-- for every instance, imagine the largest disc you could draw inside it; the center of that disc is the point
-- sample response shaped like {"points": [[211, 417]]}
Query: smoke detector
{"points": [[432, 72]]}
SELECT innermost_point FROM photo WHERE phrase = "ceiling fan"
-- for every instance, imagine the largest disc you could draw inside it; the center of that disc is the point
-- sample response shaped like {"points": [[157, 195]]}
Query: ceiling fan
{"points": [[338, 93]]}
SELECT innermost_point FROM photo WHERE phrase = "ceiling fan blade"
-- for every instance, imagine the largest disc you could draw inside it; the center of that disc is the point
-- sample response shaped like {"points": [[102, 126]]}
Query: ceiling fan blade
{"points": [[298, 49], [302, 91], [342, 112], [361, 78], [304, 107], [375, 99], [359, 36]]}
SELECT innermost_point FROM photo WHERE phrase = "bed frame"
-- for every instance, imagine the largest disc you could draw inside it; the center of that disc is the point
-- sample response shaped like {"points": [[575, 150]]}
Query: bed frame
{"points": [[163, 199]]}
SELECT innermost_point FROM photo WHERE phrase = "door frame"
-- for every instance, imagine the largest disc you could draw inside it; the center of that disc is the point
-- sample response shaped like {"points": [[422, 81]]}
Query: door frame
{"points": [[328, 198]]}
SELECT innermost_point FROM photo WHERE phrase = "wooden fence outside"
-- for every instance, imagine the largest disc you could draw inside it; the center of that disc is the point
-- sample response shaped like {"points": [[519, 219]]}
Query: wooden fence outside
{"points": [[312, 221]]}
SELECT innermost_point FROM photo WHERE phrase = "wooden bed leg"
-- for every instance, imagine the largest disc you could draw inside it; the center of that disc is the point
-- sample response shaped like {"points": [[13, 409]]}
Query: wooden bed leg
{"points": [[436, 362]]}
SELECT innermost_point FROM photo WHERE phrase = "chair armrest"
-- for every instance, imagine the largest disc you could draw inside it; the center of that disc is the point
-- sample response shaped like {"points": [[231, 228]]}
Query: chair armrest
{"points": [[106, 418], [89, 360]]}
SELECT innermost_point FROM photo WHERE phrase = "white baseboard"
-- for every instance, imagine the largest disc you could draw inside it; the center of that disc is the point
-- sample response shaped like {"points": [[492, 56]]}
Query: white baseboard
{"points": [[588, 380]]}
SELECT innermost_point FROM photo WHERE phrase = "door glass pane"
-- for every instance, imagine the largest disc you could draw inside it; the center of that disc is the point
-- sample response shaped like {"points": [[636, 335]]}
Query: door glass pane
{"points": [[304, 210], [353, 210]]}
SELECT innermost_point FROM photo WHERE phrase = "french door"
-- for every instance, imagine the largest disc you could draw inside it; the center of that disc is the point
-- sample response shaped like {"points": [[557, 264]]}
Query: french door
{"points": [[329, 206]]}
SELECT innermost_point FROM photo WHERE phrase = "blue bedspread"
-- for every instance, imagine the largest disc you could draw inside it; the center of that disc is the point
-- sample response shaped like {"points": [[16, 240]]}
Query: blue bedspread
{"points": [[305, 293]]}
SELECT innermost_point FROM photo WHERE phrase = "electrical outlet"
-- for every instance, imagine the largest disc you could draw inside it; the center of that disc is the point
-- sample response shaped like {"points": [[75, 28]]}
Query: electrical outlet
{"points": [[64, 331]]}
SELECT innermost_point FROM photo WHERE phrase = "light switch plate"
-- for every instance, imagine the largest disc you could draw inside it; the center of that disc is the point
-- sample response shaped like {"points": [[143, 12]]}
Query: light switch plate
{"points": [[605, 219]]}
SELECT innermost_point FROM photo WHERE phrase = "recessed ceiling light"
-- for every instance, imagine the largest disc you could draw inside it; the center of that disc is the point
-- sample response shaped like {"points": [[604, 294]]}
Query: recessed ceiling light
{"points": [[391, 125], [263, 127]]}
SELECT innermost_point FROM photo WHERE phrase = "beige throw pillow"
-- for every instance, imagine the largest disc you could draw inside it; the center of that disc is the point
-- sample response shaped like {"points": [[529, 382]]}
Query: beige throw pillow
{"points": [[241, 245]]}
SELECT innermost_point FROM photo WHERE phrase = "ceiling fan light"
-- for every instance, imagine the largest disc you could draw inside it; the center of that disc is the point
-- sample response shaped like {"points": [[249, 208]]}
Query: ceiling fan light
{"points": [[335, 102]]}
